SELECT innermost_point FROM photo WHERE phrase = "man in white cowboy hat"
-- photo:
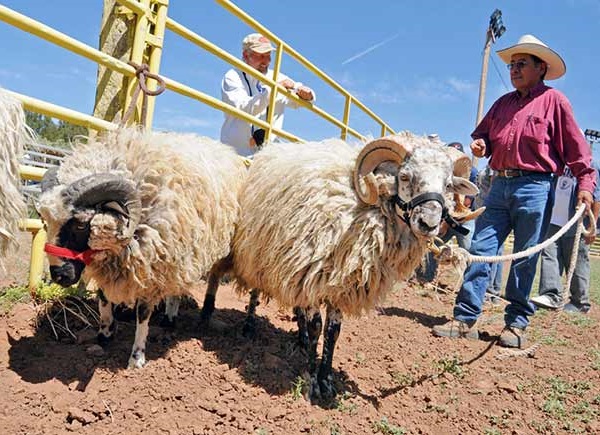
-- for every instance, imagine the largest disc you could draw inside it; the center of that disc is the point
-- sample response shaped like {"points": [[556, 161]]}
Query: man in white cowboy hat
{"points": [[529, 135], [247, 93]]}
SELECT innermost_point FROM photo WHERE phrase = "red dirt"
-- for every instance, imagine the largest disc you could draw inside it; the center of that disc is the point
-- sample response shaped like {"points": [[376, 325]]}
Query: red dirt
{"points": [[387, 365]]}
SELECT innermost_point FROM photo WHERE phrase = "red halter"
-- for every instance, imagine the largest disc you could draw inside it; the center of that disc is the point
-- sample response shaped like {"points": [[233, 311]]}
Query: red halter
{"points": [[57, 251]]}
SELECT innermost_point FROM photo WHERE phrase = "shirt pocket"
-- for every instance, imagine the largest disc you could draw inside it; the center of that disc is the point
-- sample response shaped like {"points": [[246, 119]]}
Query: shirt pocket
{"points": [[535, 130]]}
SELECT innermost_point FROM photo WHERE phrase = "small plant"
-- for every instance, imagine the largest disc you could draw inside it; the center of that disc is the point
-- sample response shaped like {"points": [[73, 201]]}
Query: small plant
{"points": [[298, 388], [582, 321], [492, 431], [383, 426], [450, 365], [402, 379], [555, 407], [261, 431], [343, 406]]}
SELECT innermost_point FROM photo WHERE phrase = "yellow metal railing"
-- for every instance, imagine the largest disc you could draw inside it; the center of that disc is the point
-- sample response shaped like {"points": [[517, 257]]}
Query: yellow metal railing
{"points": [[151, 23]]}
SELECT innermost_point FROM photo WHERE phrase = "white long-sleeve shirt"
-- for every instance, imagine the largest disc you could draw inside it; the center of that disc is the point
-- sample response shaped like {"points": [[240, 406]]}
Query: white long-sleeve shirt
{"points": [[247, 93]]}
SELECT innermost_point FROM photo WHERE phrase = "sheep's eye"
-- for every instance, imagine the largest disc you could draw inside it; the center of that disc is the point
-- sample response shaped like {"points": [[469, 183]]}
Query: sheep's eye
{"points": [[404, 177]]}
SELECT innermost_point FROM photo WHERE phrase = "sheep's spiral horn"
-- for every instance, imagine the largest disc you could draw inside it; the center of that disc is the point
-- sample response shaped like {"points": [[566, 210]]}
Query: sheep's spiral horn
{"points": [[461, 162], [99, 188], [385, 149]]}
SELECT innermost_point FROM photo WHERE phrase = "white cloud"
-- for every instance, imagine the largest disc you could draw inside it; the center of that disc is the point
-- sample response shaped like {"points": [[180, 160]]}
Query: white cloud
{"points": [[461, 86], [183, 122]]}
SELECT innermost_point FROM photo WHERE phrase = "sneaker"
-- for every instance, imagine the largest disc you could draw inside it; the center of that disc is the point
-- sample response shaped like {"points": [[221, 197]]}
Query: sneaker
{"points": [[572, 308], [545, 301], [513, 337], [456, 329]]}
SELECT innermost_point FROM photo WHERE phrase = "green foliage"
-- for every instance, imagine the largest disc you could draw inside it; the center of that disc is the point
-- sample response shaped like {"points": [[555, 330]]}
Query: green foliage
{"points": [[47, 292], [11, 296], [298, 388], [59, 133], [450, 365], [384, 427]]}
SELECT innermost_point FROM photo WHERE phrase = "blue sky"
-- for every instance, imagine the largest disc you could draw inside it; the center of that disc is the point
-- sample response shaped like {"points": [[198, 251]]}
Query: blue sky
{"points": [[417, 64]]}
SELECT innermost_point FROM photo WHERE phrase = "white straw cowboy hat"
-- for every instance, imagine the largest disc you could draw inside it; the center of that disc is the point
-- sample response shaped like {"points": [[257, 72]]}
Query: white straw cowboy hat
{"points": [[529, 44]]}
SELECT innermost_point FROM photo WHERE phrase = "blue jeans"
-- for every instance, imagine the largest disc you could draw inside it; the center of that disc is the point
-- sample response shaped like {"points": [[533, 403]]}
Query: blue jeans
{"points": [[495, 286], [555, 261], [464, 241], [523, 205]]}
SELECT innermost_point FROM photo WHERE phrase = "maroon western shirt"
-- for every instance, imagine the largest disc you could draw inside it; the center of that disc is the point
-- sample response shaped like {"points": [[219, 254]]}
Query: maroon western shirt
{"points": [[537, 132]]}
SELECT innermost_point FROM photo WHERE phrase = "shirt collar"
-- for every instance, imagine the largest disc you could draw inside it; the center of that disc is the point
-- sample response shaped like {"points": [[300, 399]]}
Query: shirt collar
{"points": [[533, 92]]}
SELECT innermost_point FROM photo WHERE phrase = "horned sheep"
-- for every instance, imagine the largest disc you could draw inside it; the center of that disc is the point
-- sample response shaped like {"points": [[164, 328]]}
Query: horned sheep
{"points": [[145, 215], [329, 224], [14, 134]]}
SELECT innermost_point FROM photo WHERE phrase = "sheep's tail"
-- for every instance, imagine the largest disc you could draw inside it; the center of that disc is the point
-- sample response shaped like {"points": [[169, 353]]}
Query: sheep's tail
{"points": [[14, 133]]}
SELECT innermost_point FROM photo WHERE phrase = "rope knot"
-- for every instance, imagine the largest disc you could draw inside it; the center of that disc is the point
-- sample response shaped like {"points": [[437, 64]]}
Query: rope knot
{"points": [[142, 73]]}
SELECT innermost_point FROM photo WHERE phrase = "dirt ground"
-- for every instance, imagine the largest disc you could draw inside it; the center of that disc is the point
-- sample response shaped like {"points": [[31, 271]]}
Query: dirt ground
{"points": [[394, 377]]}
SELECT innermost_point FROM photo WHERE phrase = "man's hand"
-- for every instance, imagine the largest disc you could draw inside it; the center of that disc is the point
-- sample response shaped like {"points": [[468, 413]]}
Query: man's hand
{"points": [[305, 93], [478, 147], [287, 83], [583, 196]]}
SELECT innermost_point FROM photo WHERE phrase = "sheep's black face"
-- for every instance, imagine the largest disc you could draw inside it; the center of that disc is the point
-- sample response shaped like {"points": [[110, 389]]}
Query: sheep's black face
{"points": [[73, 235]]}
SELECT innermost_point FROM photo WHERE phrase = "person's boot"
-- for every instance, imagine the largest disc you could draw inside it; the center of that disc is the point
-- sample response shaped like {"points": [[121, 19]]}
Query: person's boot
{"points": [[513, 337], [456, 329]]}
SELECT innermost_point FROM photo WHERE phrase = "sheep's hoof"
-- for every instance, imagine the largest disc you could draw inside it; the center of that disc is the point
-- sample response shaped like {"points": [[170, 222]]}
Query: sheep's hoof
{"points": [[137, 360], [249, 328], [204, 320], [322, 390], [104, 340], [165, 322]]}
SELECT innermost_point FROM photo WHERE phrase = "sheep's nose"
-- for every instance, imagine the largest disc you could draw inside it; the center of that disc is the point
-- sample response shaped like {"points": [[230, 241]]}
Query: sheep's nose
{"points": [[427, 218]]}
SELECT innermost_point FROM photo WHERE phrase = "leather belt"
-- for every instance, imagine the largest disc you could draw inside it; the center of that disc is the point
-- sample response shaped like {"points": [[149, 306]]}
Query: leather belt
{"points": [[510, 173]]}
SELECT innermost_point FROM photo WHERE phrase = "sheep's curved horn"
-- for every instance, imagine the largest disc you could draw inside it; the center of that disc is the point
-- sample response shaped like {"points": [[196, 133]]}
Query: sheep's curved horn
{"points": [[462, 162], [385, 149], [99, 188], [50, 179]]}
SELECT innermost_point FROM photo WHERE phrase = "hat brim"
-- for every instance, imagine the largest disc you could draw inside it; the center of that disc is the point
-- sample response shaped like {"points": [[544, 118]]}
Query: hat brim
{"points": [[556, 65], [262, 50]]}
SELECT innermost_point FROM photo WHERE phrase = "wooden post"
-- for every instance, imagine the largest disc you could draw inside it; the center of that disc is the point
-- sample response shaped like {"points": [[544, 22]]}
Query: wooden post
{"points": [[483, 82], [116, 39]]}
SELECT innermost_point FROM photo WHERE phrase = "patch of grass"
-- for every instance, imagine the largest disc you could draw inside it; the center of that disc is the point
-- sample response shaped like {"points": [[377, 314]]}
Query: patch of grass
{"points": [[384, 427], [344, 406], [595, 280], [595, 354], [581, 320], [261, 431], [492, 431], [11, 296]]}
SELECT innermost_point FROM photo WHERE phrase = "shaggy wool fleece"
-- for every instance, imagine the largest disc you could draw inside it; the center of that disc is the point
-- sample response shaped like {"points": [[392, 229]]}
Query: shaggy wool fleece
{"points": [[188, 186]]}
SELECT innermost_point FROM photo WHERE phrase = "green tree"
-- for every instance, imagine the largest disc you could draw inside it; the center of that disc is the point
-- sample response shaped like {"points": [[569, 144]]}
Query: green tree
{"points": [[59, 133]]}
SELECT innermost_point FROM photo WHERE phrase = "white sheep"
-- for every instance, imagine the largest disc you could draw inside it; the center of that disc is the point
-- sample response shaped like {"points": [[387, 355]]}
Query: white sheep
{"points": [[327, 223], [14, 134], [145, 214]]}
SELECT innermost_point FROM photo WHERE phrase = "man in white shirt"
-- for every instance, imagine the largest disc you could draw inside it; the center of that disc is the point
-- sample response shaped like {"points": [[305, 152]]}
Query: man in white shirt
{"points": [[556, 257], [246, 93]]}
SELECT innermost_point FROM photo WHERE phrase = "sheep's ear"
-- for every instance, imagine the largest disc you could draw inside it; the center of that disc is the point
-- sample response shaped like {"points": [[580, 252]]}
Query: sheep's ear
{"points": [[463, 186]]}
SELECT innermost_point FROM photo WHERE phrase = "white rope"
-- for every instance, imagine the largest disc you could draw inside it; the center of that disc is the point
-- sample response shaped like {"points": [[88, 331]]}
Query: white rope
{"points": [[534, 249]]}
